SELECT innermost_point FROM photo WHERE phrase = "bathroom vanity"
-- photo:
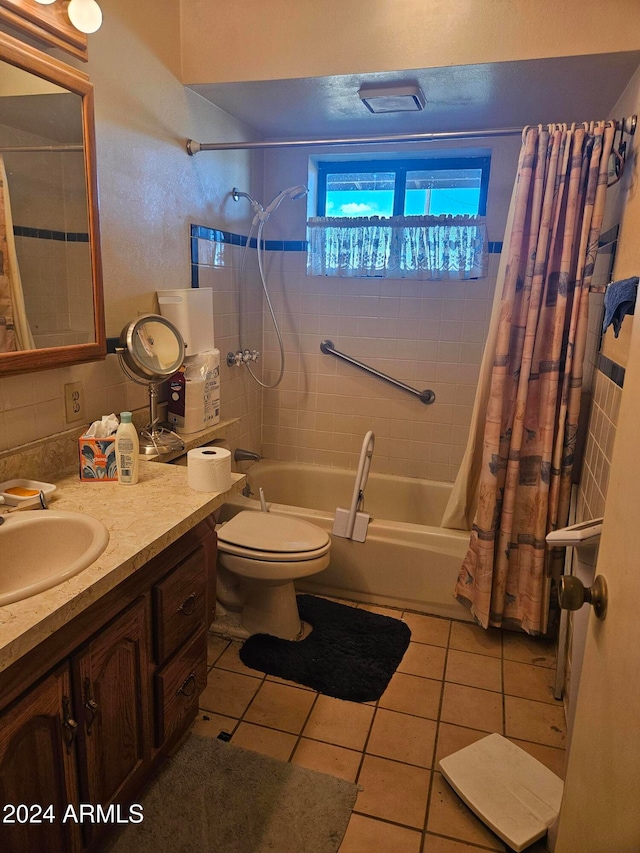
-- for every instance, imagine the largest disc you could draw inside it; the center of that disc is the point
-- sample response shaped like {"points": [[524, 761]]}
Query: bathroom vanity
{"points": [[100, 676]]}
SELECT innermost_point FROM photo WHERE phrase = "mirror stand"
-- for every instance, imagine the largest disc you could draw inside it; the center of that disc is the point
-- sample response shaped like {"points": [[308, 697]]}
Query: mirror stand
{"points": [[154, 438], [151, 350]]}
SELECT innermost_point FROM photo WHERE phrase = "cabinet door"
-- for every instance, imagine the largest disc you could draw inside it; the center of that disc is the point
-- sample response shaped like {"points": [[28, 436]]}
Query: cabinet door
{"points": [[112, 682], [38, 769]]}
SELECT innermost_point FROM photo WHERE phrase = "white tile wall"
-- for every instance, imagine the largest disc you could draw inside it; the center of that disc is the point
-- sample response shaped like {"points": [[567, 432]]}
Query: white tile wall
{"points": [[240, 397], [601, 433], [426, 334], [32, 404]]}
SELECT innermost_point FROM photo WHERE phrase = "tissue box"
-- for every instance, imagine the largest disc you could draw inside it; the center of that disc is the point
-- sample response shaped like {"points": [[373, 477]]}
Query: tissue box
{"points": [[98, 459]]}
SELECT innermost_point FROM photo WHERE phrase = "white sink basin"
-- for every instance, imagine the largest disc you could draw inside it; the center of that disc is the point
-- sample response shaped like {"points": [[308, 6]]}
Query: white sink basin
{"points": [[41, 548]]}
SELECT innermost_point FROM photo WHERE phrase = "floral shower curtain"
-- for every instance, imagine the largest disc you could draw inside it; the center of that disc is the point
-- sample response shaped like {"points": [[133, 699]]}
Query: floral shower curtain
{"points": [[15, 332], [418, 247], [536, 374]]}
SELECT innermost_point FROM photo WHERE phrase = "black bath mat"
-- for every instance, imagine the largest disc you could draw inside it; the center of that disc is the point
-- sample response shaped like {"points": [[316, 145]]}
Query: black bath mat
{"points": [[349, 654]]}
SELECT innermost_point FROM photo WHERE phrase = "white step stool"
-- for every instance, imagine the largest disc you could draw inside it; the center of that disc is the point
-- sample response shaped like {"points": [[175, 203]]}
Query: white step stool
{"points": [[512, 792]]}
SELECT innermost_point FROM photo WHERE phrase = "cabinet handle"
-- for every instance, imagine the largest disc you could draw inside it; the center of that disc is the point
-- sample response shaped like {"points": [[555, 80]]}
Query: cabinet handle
{"points": [[189, 686], [188, 606], [70, 725], [90, 705]]}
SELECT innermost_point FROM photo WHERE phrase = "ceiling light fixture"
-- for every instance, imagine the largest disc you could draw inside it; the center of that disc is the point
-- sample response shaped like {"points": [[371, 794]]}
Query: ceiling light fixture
{"points": [[392, 99], [85, 15]]}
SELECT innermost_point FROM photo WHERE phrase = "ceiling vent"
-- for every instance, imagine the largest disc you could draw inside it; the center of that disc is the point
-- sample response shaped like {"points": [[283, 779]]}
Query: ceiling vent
{"points": [[392, 99]]}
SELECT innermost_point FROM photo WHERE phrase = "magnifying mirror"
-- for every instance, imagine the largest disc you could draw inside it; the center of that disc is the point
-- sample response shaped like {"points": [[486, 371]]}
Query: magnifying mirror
{"points": [[151, 350]]}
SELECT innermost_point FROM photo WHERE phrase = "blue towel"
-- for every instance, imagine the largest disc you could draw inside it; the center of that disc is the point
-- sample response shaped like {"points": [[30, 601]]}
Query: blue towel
{"points": [[619, 300]]}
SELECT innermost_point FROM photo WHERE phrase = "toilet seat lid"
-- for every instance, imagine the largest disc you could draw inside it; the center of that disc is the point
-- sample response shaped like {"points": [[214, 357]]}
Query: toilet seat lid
{"points": [[266, 531]]}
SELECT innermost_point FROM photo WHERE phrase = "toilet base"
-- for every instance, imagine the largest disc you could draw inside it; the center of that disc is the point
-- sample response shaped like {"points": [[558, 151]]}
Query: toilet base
{"points": [[271, 608], [226, 624]]}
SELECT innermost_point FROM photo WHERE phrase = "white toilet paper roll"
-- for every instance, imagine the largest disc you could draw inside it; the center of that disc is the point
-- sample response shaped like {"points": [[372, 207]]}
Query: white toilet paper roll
{"points": [[209, 469]]}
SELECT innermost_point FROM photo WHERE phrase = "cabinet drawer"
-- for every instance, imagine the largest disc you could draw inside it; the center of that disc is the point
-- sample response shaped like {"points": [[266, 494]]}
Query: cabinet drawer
{"points": [[178, 686], [179, 605]]}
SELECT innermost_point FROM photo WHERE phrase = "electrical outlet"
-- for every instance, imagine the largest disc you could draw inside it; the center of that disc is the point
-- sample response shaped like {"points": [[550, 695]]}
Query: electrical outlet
{"points": [[74, 402]]}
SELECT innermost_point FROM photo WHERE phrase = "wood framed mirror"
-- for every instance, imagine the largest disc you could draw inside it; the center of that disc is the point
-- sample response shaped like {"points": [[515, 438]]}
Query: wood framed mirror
{"points": [[51, 295]]}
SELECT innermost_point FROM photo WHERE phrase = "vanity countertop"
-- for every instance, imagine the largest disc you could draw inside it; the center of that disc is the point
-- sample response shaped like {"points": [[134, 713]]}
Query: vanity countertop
{"points": [[142, 521]]}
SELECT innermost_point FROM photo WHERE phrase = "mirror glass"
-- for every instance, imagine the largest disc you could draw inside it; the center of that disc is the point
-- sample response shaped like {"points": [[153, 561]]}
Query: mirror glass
{"points": [[154, 348], [51, 309], [46, 203]]}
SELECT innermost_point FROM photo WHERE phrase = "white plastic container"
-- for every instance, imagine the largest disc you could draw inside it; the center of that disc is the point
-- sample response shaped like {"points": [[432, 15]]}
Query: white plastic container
{"points": [[191, 312], [127, 451]]}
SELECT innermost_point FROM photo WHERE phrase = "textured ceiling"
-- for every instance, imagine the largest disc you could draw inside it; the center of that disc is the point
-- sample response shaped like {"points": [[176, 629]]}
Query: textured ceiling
{"points": [[469, 97]]}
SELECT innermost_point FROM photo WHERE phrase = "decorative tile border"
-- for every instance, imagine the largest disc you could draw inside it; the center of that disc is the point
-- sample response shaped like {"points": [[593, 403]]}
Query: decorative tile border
{"points": [[614, 372], [217, 236], [47, 234]]}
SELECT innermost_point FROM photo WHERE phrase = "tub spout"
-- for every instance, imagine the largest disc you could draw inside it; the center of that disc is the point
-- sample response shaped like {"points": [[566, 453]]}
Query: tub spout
{"points": [[240, 455]]}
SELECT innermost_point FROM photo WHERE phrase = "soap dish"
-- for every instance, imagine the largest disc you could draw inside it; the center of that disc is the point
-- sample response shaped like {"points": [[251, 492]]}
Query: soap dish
{"points": [[36, 486]]}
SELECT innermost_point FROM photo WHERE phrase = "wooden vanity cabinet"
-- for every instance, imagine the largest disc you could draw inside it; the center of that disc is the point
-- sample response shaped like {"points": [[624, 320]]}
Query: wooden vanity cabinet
{"points": [[122, 691], [110, 677], [38, 769]]}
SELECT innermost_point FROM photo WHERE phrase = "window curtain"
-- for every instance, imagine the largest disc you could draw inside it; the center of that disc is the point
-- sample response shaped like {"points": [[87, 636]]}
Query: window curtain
{"points": [[15, 332], [418, 247], [524, 438]]}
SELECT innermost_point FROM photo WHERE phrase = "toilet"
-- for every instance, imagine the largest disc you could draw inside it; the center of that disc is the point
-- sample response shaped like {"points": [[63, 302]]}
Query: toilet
{"points": [[260, 555]]}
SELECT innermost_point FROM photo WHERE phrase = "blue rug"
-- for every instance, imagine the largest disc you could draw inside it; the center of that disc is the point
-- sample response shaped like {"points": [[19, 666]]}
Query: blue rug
{"points": [[349, 654]]}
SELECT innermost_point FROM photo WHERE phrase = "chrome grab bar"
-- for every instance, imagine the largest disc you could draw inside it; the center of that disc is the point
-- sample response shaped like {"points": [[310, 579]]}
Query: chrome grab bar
{"points": [[426, 396]]}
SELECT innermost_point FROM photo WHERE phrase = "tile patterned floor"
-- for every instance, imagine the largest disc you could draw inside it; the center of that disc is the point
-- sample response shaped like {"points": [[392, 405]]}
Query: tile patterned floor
{"points": [[455, 684]]}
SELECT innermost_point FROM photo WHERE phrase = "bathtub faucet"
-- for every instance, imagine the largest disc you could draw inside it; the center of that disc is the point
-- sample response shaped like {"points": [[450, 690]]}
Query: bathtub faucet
{"points": [[240, 455]]}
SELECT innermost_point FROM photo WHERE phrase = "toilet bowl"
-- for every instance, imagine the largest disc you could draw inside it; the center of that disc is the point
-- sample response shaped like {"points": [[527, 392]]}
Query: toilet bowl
{"points": [[260, 555]]}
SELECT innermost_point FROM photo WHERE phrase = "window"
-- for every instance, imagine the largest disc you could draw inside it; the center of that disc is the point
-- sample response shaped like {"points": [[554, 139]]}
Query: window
{"points": [[421, 219], [430, 187]]}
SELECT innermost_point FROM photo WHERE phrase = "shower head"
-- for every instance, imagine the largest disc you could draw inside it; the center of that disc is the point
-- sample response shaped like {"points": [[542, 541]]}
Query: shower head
{"points": [[293, 193]]}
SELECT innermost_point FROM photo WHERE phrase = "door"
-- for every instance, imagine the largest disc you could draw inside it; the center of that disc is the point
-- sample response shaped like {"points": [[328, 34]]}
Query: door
{"points": [[38, 769], [600, 811], [112, 682]]}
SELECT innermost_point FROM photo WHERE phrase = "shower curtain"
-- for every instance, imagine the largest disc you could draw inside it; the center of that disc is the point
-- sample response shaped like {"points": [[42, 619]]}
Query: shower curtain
{"points": [[516, 475], [15, 333]]}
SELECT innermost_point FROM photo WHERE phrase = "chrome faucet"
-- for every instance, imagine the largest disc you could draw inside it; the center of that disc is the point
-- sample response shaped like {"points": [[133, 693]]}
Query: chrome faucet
{"points": [[240, 455]]}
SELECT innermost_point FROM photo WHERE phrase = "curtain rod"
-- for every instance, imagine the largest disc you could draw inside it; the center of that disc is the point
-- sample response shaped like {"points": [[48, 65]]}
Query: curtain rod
{"points": [[628, 125], [29, 149]]}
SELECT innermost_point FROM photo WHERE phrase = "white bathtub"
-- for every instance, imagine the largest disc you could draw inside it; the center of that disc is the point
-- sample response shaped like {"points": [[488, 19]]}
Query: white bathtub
{"points": [[408, 560]]}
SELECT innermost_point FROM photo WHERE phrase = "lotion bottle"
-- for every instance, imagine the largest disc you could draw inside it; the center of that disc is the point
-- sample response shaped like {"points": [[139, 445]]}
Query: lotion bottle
{"points": [[127, 450]]}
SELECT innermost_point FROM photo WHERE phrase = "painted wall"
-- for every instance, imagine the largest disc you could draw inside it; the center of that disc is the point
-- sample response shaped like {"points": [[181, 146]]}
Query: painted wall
{"points": [[150, 191], [225, 40]]}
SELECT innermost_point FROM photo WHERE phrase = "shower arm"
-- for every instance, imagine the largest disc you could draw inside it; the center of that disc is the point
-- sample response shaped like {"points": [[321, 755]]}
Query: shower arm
{"points": [[427, 397]]}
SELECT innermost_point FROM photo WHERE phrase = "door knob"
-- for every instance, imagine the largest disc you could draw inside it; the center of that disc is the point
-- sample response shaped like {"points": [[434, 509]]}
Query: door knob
{"points": [[572, 594]]}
